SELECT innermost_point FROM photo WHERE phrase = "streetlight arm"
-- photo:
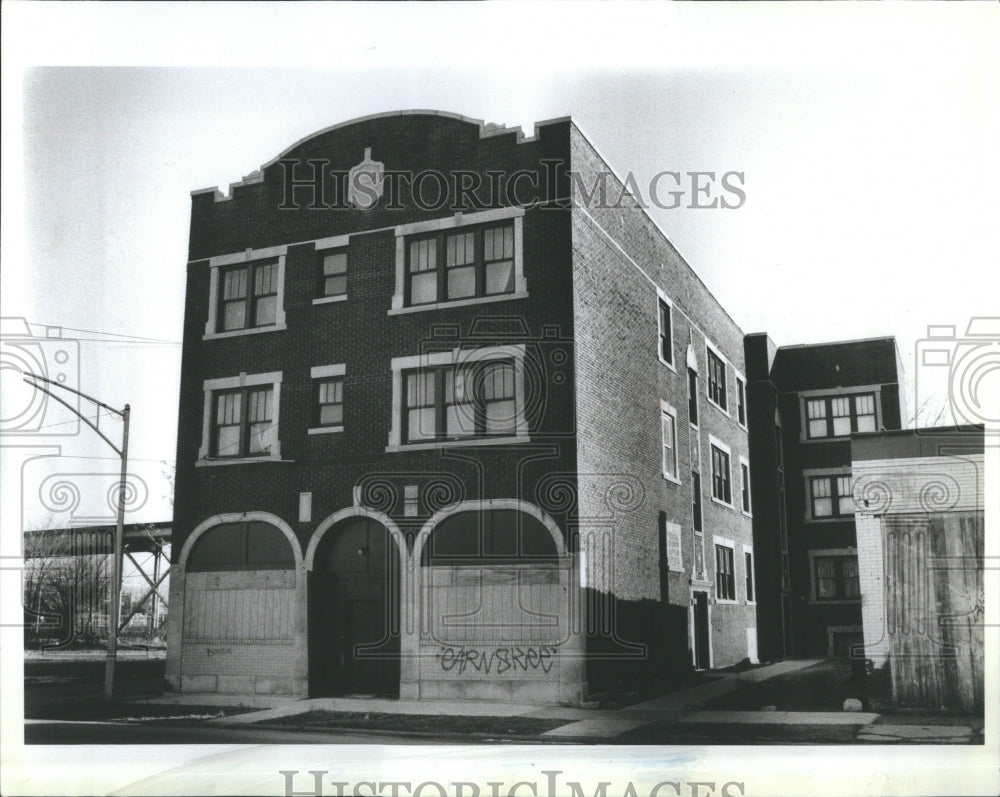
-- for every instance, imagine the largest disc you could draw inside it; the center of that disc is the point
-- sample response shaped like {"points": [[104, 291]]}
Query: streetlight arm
{"points": [[75, 411], [27, 374], [115, 607]]}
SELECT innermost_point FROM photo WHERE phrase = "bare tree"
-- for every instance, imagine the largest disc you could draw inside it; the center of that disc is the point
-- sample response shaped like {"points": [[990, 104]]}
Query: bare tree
{"points": [[931, 412], [66, 585]]}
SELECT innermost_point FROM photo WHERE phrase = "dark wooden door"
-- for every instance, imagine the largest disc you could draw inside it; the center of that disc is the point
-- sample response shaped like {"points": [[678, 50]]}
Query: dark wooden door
{"points": [[701, 630], [353, 622]]}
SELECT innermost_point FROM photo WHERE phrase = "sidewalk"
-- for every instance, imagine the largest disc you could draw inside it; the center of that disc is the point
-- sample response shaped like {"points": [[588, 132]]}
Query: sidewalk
{"points": [[663, 717]]}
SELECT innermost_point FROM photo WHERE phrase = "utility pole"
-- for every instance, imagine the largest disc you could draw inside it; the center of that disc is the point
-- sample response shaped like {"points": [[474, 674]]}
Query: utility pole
{"points": [[116, 585]]}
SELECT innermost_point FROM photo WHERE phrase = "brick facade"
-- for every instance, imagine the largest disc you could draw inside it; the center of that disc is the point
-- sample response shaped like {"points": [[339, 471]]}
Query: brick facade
{"points": [[585, 465]]}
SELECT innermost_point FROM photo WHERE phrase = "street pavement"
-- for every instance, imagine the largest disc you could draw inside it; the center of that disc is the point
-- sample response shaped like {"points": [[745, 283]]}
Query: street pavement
{"points": [[675, 718]]}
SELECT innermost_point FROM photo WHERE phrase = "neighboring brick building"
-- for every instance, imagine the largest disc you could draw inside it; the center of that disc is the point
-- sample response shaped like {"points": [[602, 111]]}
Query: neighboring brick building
{"points": [[920, 524], [805, 403], [497, 453]]}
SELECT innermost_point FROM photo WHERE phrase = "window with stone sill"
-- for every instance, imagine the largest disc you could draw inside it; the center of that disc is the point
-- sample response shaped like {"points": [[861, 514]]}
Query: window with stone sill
{"points": [[243, 423], [463, 263], [455, 402], [248, 296]]}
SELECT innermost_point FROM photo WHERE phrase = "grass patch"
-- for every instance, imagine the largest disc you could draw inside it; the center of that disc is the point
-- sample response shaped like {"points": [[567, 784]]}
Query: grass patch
{"points": [[94, 709], [142, 712], [420, 723]]}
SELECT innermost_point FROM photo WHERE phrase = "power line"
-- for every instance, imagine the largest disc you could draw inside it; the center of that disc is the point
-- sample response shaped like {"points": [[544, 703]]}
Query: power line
{"points": [[100, 332], [106, 413]]}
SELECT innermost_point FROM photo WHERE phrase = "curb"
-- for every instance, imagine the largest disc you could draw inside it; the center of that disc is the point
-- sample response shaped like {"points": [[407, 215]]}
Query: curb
{"points": [[436, 737]]}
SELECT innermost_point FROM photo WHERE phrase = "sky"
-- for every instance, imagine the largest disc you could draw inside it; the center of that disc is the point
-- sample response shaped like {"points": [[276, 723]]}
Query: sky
{"points": [[870, 208], [866, 133]]}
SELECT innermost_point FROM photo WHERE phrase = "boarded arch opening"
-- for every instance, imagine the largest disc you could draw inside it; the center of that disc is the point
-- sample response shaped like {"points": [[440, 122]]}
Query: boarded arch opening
{"points": [[489, 537], [239, 626], [252, 545]]}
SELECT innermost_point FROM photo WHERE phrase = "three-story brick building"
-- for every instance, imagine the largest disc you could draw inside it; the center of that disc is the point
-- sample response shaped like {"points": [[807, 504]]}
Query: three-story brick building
{"points": [[448, 430]]}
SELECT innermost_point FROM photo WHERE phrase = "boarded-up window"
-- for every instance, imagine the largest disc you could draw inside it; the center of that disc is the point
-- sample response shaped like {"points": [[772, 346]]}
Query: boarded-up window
{"points": [[674, 559], [241, 546], [489, 536]]}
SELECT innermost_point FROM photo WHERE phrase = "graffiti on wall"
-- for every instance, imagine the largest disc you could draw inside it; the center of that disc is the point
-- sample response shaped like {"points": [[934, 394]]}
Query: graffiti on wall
{"points": [[498, 661]]}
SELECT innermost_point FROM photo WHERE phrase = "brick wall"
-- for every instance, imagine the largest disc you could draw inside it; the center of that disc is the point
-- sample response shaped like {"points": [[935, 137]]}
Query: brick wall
{"points": [[620, 260], [362, 335]]}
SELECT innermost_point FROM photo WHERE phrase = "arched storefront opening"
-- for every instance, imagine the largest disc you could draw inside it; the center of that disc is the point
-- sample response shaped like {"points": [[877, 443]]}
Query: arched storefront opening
{"points": [[494, 586], [241, 619], [354, 611]]}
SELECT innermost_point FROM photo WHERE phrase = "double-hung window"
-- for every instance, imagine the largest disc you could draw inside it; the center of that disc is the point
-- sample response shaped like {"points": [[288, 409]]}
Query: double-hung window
{"points": [[327, 399], [246, 293], [725, 573], [248, 296], [839, 416], [668, 435], [721, 478], [240, 418], [717, 381], [837, 578], [748, 564], [745, 485], [830, 496], [741, 402], [330, 401], [332, 273], [243, 423], [696, 500], [453, 402], [466, 263], [665, 338], [693, 396]]}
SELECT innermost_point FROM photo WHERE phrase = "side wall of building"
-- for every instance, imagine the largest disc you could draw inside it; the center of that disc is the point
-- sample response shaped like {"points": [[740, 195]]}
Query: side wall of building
{"points": [[622, 266]]}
